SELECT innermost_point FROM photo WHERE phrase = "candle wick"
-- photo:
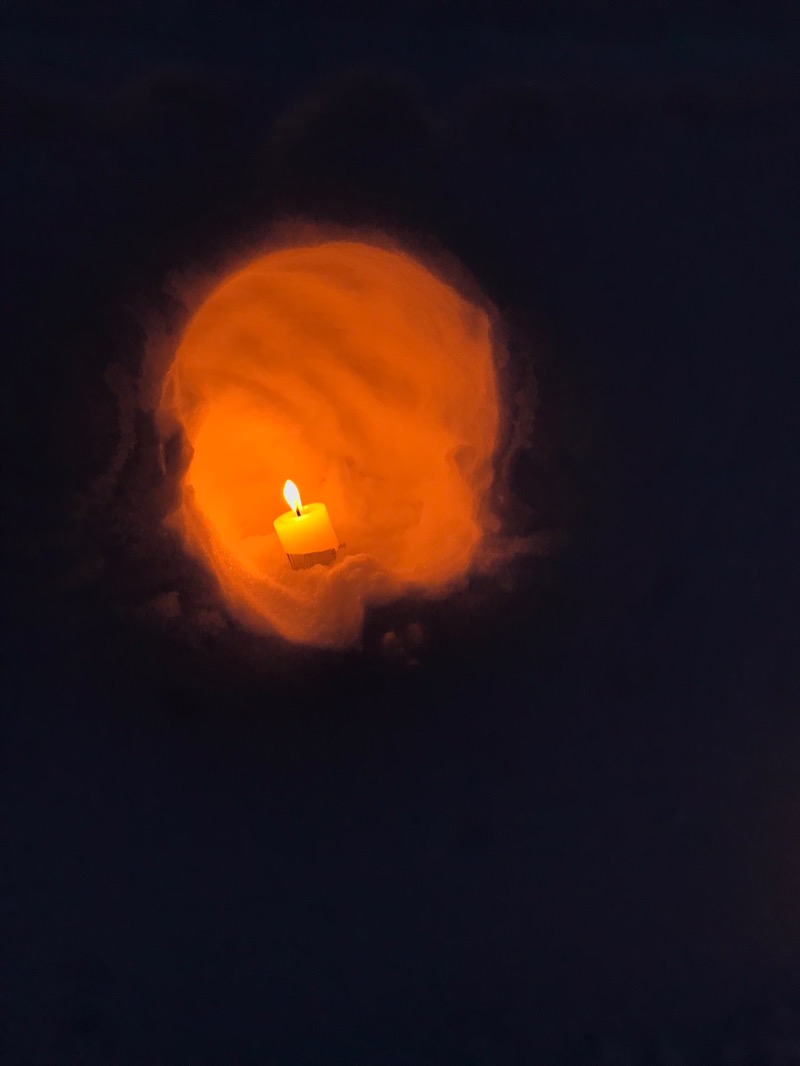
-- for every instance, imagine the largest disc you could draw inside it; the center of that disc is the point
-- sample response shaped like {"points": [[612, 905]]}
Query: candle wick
{"points": [[297, 510]]}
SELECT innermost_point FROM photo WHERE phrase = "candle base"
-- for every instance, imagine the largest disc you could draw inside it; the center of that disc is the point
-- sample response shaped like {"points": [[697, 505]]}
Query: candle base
{"points": [[303, 562]]}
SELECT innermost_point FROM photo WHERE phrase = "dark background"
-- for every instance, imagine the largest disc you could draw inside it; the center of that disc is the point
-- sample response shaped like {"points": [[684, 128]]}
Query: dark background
{"points": [[571, 834]]}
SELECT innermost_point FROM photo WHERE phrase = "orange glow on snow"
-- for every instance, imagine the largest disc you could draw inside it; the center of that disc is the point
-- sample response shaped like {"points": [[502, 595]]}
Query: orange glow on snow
{"points": [[370, 379]]}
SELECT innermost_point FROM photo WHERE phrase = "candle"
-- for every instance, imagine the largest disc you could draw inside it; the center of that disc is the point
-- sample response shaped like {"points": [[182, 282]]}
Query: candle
{"points": [[306, 532]]}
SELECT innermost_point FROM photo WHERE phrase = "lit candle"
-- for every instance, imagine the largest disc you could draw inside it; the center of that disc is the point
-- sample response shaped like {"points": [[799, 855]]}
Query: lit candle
{"points": [[305, 532]]}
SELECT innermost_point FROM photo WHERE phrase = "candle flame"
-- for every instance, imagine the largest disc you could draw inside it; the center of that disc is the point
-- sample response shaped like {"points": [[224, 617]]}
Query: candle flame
{"points": [[291, 494]]}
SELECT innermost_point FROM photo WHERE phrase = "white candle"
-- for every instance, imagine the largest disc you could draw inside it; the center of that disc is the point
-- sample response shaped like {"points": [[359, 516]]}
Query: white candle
{"points": [[306, 532]]}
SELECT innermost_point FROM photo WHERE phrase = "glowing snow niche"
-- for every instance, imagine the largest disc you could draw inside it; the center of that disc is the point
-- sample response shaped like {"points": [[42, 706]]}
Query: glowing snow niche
{"points": [[370, 382]]}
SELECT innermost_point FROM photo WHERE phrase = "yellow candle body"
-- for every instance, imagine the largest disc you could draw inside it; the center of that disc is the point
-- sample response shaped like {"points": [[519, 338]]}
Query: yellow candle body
{"points": [[307, 534]]}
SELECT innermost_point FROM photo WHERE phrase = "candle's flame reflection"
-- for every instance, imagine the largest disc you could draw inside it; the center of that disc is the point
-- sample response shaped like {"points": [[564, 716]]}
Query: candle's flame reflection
{"points": [[291, 494]]}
